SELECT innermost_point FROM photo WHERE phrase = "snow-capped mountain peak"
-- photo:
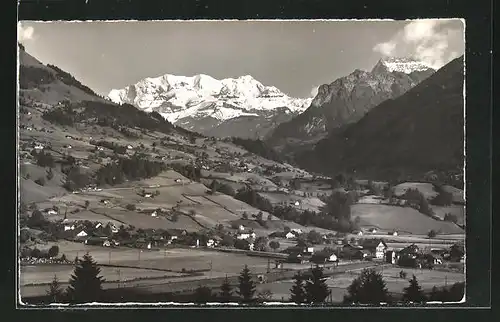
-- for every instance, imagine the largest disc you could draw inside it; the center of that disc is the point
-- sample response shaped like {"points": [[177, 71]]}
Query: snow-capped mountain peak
{"points": [[178, 97], [400, 64]]}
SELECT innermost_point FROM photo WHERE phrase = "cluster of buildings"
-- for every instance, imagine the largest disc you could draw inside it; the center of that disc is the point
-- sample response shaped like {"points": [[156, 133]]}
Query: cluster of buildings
{"points": [[375, 249]]}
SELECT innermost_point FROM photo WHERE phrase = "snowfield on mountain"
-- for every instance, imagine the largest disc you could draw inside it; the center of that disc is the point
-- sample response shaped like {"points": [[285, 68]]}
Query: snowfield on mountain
{"points": [[179, 97]]}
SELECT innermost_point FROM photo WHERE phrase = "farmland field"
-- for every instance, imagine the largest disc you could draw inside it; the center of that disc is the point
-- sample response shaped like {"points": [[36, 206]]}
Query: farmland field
{"points": [[309, 203], [401, 219], [41, 274], [458, 211], [169, 259], [146, 221]]}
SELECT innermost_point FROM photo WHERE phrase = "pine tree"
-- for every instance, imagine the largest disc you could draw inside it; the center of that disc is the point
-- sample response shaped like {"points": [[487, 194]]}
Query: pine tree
{"points": [[353, 291], [368, 288], [55, 292], [202, 294], [247, 286], [298, 292], [413, 293], [85, 283], [226, 291], [435, 295], [316, 288]]}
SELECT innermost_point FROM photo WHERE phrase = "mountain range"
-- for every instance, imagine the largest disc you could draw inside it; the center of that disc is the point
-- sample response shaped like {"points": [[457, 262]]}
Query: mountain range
{"points": [[419, 131], [349, 98], [240, 106]]}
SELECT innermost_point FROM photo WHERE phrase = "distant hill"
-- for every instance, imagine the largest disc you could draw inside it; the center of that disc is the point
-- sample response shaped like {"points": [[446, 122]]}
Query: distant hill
{"points": [[48, 83], [420, 131]]}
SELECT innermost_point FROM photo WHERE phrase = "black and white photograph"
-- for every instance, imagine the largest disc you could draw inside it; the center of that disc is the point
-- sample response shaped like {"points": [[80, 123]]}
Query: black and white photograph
{"points": [[241, 162]]}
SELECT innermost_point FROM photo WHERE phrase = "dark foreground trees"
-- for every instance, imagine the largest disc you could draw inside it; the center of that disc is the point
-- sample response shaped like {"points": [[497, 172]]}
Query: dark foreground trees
{"points": [[413, 293], [225, 291], [55, 291], [85, 283], [202, 295], [316, 288], [368, 288], [246, 286], [298, 293]]}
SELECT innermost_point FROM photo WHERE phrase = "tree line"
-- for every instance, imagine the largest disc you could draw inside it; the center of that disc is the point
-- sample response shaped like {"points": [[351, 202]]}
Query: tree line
{"points": [[85, 286]]}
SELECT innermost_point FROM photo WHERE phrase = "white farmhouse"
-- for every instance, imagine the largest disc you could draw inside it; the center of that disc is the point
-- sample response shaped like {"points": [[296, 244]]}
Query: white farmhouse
{"points": [[82, 234], [243, 236], [332, 258], [52, 212], [290, 235], [69, 227]]}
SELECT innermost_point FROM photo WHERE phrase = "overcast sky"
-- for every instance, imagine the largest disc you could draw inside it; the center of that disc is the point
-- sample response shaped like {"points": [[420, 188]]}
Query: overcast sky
{"points": [[294, 56]]}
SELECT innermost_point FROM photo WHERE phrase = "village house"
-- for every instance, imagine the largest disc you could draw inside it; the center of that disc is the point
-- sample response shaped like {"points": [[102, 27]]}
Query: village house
{"points": [[296, 257], [351, 251], [246, 235], [391, 256], [372, 230], [82, 234], [376, 246], [142, 243], [358, 232], [433, 259], [148, 195], [52, 212], [290, 235], [69, 227], [97, 241], [129, 147], [410, 251], [212, 242]]}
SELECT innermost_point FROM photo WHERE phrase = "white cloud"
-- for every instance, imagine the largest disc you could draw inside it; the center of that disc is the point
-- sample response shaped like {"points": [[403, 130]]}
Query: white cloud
{"points": [[385, 48], [24, 33], [425, 40]]}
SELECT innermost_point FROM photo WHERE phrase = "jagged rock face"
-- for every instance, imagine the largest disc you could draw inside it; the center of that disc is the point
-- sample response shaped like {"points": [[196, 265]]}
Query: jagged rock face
{"points": [[202, 103], [349, 98]]}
